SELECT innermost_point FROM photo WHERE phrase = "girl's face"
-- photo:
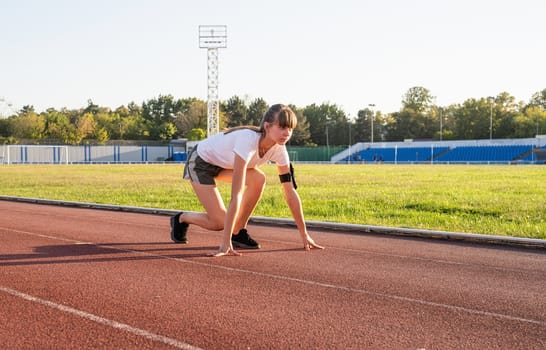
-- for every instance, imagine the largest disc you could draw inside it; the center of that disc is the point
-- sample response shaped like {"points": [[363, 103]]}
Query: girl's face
{"points": [[280, 135]]}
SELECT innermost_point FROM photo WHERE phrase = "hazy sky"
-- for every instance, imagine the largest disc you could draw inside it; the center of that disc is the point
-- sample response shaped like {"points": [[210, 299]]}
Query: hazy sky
{"points": [[56, 53]]}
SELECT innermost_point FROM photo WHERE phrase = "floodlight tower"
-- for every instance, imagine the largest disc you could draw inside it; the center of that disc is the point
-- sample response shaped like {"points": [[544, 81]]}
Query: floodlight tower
{"points": [[212, 38]]}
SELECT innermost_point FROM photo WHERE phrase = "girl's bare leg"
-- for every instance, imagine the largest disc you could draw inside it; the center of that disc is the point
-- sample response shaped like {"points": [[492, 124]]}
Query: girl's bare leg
{"points": [[215, 212], [255, 184]]}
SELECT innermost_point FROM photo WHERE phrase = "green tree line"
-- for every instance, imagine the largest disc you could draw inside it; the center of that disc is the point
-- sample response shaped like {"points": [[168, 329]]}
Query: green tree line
{"points": [[165, 118]]}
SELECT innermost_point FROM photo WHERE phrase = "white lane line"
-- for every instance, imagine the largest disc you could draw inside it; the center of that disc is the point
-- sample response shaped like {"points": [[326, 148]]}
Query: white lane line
{"points": [[436, 260], [46, 236], [355, 290], [308, 282], [104, 321]]}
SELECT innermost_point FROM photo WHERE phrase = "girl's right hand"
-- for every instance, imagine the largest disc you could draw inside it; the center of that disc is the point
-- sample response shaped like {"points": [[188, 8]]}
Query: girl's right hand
{"points": [[309, 243]]}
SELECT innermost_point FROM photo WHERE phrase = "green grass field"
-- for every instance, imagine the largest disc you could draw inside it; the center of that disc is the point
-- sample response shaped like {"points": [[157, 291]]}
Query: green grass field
{"points": [[499, 200]]}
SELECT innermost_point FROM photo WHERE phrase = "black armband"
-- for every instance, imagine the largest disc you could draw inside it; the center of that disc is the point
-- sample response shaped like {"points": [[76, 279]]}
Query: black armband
{"points": [[289, 177], [285, 177]]}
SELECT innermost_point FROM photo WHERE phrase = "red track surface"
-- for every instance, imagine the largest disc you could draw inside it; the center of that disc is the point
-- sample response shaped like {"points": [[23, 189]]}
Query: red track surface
{"points": [[88, 279]]}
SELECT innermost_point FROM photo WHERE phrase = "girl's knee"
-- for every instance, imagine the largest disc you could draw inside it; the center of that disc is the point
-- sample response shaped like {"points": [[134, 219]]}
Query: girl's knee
{"points": [[217, 223], [217, 226], [257, 179]]}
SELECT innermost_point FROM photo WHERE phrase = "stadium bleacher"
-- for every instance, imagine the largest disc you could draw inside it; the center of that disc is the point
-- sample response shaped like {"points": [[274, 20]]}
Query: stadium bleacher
{"points": [[504, 153], [395, 154], [454, 153]]}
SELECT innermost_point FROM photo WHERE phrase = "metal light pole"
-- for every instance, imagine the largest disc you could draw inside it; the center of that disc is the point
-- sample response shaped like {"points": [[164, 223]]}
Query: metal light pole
{"points": [[441, 124], [371, 105], [327, 143], [491, 100], [212, 37], [536, 135], [350, 139]]}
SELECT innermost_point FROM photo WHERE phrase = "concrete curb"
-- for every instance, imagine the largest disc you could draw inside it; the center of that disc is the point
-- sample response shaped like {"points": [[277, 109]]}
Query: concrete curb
{"points": [[351, 228]]}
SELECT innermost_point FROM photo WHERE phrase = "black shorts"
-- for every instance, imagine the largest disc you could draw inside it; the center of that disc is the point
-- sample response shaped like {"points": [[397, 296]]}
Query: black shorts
{"points": [[199, 171]]}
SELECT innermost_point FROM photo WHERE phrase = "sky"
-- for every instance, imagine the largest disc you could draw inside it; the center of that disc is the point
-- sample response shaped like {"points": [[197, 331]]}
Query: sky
{"points": [[62, 53]]}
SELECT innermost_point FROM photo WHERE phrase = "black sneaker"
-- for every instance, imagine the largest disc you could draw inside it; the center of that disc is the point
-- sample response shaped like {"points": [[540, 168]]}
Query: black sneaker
{"points": [[178, 229], [243, 240]]}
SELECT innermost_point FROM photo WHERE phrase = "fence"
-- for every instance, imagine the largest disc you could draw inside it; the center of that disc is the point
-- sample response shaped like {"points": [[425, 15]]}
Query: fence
{"points": [[50, 154], [313, 154], [359, 153], [61, 154]]}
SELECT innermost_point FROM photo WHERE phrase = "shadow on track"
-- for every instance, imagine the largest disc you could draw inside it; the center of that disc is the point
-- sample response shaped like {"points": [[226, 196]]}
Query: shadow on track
{"points": [[111, 252]]}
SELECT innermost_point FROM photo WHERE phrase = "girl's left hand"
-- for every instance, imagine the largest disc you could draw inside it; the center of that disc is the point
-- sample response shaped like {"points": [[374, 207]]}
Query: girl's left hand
{"points": [[229, 251]]}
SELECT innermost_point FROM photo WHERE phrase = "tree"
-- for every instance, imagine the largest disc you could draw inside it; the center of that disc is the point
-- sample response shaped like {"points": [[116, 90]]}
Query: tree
{"points": [[134, 109], [447, 124], [256, 111], [339, 121], [301, 135], [101, 135], [122, 111], [531, 123], [317, 124], [417, 119], [85, 126], [4, 128], [132, 125], [197, 134], [328, 124], [107, 126], [410, 124], [27, 109], [389, 128], [26, 125], [134, 128], [192, 117], [167, 130], [418, 99], [156, 112], [505, 110], [95, 109], [539, 99], [58, 127], [403, 125], [363, 125], [472, 119], [236, 112]]}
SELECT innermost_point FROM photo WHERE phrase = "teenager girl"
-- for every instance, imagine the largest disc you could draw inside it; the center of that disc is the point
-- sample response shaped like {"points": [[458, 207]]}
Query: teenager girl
{"points": [[234, 156]]}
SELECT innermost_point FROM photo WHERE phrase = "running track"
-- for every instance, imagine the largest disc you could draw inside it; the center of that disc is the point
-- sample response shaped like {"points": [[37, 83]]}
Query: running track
{"points": [[91, 279]]}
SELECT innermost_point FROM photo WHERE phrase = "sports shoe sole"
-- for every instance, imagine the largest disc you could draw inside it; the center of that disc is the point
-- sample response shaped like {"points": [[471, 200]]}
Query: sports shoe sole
{"points": [[244, 246]]}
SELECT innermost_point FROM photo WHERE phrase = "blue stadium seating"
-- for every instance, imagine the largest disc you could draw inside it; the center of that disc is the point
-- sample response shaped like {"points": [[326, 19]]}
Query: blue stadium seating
{"points": [[484, 153], [391, 155], [503, 153]]}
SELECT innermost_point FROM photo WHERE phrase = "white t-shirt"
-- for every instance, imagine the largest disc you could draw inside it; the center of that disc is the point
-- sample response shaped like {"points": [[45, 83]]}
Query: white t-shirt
{"points": [[220, 150]]}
